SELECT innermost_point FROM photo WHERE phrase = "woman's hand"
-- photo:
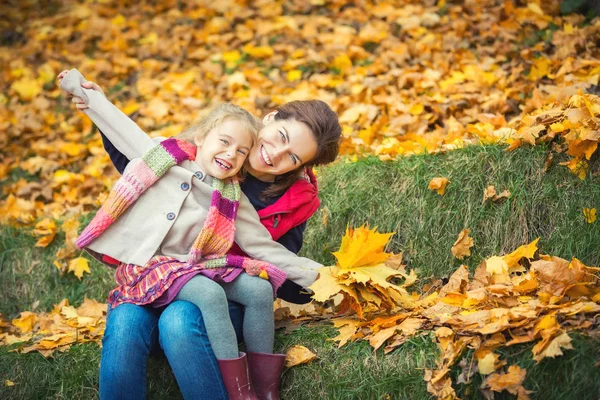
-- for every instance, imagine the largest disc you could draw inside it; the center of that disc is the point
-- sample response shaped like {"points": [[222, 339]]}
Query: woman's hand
{"points": [[79, 103]]}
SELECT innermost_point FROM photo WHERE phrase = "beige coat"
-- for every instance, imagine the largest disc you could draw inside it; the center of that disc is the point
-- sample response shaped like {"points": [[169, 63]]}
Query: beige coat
{"points": [[169, 215]]}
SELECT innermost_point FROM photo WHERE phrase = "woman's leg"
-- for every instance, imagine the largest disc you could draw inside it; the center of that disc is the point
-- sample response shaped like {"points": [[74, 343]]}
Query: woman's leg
{"points": [[210, 298], [256, 294], [185, 342], [130, 334]]}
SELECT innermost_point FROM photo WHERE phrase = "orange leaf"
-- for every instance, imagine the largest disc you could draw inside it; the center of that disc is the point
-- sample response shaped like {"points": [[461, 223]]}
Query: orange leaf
{"points": [[439, 184]]}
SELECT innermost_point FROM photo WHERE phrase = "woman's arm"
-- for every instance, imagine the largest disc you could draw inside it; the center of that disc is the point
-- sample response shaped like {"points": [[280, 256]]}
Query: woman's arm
{"points": [[119, 129]]}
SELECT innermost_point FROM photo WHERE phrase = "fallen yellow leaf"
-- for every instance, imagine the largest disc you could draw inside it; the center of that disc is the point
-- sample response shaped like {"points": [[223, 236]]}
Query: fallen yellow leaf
{"points": [[297, 355], [26, 321], [78, 266], [439, 184], [362, 246], [590, 215], [462, 245]]}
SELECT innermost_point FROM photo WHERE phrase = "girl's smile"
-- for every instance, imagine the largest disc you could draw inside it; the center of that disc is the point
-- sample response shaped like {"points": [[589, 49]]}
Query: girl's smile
{"points": [[223, 151]]}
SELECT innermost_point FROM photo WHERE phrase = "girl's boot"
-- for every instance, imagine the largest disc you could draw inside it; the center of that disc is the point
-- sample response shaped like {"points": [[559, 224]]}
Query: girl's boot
{"points": [[236, 378], [265, 370]]}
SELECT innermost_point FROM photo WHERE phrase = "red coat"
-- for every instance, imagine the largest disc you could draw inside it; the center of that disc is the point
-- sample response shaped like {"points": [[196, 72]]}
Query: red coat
{"points": [[296, 206]]}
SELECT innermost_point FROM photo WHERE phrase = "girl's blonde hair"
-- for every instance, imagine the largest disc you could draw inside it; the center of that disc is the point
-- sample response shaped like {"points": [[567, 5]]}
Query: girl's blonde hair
{"points": [[217, 116]]}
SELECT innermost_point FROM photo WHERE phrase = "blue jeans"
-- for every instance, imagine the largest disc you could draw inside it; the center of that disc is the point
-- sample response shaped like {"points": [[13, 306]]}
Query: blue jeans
{"points": [[134, 332]]}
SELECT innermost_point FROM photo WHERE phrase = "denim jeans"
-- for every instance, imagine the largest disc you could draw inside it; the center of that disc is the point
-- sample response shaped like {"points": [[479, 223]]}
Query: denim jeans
{"points": [[134, 332]]}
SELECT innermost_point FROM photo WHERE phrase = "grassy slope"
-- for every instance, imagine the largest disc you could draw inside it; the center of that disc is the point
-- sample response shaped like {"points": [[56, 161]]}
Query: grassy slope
{"points": [[393, 196]]}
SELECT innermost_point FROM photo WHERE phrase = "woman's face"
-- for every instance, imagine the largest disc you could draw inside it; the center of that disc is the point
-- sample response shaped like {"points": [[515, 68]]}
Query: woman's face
{"points": [[281, 146]]}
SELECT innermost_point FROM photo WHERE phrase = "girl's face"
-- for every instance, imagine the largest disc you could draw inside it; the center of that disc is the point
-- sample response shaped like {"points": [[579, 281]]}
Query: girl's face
{"points": [[222, 152], [281, 146]]}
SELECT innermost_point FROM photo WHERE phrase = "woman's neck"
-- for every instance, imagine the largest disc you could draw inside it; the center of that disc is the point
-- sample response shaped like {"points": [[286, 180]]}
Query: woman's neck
{"points": [[261, 176]]}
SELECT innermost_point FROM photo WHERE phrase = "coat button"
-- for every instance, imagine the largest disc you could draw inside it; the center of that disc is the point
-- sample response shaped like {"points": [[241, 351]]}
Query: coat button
{"points": [[171, 216], [199, 175], [185, 186]]}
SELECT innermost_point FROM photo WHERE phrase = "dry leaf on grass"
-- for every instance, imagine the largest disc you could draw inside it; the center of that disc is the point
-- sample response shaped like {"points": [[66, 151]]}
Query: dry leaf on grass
{"points": [[438, 184], [297, 355], [462, 247]]}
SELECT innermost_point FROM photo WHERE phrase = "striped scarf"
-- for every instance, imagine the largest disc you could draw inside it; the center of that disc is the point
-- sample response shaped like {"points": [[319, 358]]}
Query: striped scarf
{"points": [[141, 175], [144, 284]]}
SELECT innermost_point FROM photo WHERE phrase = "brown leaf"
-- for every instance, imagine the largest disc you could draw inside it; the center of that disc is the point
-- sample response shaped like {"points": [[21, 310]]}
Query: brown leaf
{"points": [[510, 381]]}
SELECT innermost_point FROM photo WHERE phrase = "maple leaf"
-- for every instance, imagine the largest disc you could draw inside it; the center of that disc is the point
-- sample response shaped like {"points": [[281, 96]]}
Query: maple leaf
{"points": [[26, 321], [69, 312], [91, 308], [79, 266], [526, 251], [510, 381], [346, 330], [438, 184], [362, 246], [361, 275], [552, 348], [487, 362], [46, 228], [458, 281], [326, 286], [462, 247]]}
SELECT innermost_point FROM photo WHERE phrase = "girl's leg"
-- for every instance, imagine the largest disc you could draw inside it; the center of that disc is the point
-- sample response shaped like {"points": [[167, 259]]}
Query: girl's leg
{"points": [[210, 298], [130, 334], [256, 294], [259, 328]]}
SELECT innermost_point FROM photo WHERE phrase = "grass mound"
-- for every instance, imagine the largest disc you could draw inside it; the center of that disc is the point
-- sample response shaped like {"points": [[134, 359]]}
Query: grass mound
{"points": [[394, 197]]}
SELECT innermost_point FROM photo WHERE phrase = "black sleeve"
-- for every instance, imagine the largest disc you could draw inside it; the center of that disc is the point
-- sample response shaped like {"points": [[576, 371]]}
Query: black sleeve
{"points": [[292, 239], [291, 291], [118, 159], [294, 293]]}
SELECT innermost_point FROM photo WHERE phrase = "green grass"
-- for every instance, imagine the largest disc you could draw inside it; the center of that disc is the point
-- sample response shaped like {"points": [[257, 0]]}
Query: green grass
{"points": [[394, 197]]}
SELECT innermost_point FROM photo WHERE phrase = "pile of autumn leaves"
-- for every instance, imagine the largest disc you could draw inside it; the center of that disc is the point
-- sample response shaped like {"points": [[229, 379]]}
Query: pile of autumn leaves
{"points": [[55, 330], [391, 70], [517, 298]]}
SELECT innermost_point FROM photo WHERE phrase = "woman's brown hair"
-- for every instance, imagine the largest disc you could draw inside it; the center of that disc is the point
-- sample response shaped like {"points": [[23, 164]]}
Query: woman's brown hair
{"points": [[325, 127]]}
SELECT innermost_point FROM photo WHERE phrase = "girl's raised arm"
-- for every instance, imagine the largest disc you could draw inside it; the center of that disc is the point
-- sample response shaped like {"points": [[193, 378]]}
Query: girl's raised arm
{"points": [[122, 132]]}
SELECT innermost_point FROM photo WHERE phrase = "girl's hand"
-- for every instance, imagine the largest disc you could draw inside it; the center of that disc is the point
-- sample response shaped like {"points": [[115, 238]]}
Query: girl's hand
{"points": [[79, 103]]}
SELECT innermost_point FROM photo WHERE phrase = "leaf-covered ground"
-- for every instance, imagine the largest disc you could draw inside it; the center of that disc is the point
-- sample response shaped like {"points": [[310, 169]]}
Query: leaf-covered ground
{"points": [[405, 77], [548, 205]]}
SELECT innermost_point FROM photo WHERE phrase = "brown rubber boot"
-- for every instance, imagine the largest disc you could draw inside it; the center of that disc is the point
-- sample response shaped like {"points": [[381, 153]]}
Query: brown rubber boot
{"points": [[265, 370], [236, 378]]}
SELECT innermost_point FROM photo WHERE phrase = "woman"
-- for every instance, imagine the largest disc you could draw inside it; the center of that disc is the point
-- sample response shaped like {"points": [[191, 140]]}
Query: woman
{"points": [[283, 190]]}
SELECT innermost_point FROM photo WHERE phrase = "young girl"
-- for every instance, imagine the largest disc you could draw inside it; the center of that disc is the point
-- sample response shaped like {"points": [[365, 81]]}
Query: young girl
{"points": [[181, 239]]}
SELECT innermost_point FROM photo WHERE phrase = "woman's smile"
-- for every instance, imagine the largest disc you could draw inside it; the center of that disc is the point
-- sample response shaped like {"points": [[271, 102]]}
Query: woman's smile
{"points": [[282, 146], [265, 156]]}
